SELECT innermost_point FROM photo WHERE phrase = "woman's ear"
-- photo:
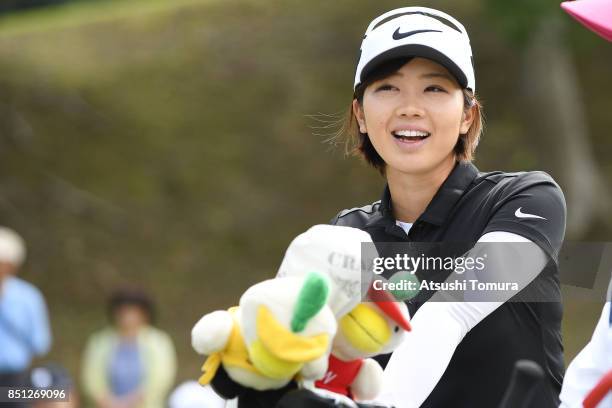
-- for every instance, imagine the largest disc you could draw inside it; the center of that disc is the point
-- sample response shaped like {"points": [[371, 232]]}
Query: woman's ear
{"points": [[467, 118], [358, 112]]}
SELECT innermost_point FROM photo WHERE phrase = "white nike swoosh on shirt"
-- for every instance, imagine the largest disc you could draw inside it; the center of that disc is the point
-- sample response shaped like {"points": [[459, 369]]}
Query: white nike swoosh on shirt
{"points": [[520, 214]]}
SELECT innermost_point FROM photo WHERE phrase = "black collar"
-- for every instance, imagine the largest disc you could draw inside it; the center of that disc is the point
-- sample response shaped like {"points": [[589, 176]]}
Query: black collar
{"points": [[457, 182]]}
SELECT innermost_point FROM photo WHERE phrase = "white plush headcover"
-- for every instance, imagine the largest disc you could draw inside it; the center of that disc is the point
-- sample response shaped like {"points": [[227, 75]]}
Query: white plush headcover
{"points": [[12, 247], [337, 252]]}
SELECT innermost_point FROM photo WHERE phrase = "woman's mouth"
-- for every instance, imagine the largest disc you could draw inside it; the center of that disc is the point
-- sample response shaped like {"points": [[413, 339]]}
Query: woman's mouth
{"points": [[410, 138]]}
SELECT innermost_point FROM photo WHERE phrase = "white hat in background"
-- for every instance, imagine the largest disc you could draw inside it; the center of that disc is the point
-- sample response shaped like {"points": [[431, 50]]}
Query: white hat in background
{"points": [[12, 247]]}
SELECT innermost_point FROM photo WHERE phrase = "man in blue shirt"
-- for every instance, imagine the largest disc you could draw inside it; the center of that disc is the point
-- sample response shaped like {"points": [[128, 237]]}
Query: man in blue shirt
{"points": [[24, 323]]}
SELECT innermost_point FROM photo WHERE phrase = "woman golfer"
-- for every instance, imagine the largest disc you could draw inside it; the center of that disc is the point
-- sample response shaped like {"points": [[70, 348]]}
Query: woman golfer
{"points": [[415, 118]]}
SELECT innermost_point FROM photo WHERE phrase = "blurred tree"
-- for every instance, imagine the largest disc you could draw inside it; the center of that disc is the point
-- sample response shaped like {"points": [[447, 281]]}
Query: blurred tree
{"points": [[553, 106]]}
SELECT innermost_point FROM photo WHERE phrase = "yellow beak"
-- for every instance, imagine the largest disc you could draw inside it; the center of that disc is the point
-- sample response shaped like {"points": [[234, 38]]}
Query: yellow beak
{"points": [[365, 329], [279, 351]]}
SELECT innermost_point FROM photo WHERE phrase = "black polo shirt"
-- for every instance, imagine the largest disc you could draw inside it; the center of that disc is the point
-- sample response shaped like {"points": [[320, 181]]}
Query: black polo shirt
{"points": [[468, 205]]}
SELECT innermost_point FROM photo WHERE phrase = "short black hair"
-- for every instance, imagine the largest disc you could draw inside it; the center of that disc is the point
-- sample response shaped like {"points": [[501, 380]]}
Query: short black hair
{"points": [[131, 296]]}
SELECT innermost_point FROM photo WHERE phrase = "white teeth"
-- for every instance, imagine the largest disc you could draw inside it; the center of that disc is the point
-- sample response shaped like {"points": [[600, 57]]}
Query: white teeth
{"points": [[411, 133]]}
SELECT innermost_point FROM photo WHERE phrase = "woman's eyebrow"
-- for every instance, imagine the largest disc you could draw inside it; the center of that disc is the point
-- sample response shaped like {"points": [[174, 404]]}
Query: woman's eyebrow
{"points": [[437, 75], [394, 74]]}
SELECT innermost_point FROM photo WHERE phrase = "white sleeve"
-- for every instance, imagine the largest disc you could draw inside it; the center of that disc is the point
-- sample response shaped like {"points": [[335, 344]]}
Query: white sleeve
{"points": [[593, 362], [419, 362]]}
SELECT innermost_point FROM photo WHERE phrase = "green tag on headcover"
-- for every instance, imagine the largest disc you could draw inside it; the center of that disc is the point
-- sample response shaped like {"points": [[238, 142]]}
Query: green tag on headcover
{"points": [[311, 299]]}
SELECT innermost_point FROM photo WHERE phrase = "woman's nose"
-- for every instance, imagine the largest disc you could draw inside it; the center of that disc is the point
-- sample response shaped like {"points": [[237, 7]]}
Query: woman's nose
{"points": [[409, 107]]}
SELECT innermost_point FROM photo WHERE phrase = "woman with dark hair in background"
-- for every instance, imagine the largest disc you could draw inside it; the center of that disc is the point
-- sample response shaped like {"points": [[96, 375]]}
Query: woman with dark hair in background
{"points": [[131, 363]]}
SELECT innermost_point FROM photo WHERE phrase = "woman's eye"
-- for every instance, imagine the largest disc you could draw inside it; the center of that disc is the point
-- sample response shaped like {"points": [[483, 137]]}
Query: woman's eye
{"points": [[385, 87], [434, 88]]}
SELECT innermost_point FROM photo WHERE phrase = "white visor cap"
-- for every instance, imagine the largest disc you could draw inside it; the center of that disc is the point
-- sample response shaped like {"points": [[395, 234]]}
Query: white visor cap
{"points": [[12, 247], [417, 32], [337, 252]]}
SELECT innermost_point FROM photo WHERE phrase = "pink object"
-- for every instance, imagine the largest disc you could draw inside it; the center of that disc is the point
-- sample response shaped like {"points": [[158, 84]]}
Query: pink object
{"points": [[596, 15]]}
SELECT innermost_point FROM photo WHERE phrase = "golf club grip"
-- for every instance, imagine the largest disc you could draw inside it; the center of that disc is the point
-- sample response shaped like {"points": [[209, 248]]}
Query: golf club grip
{"points": [[526, 376]]}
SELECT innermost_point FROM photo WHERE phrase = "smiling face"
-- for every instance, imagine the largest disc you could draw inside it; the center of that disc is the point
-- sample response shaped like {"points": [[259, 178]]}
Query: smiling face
{"points": [[414, 117]]}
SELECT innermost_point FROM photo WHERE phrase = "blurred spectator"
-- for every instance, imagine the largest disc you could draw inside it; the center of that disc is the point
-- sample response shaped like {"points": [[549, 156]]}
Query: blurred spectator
{"points": [[24, 323], [191, 394], [129, 364], [53, 377]]}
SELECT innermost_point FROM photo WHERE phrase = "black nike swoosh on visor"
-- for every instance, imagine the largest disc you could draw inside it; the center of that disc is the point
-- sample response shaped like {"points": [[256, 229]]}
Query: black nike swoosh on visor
{"points": [[398, 36]]}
